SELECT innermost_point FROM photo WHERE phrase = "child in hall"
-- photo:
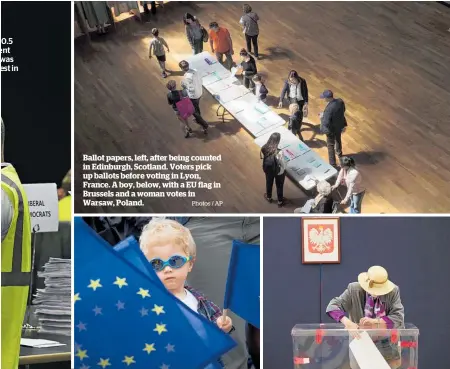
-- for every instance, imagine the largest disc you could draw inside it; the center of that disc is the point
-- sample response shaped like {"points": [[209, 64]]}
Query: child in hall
{"points": [[261, 90], [295, 120], [157, 47], [173, 97], [171, 251]]}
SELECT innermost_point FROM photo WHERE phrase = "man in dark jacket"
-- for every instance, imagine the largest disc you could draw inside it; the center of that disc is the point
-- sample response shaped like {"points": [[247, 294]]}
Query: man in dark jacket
{"points": [[332, 124]]}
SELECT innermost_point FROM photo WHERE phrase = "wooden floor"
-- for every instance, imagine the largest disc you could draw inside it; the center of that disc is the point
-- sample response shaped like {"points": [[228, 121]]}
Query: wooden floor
{"points": [[389, 61]]}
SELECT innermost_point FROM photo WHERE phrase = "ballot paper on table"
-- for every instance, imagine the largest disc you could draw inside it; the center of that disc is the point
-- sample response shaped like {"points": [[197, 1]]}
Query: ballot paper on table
{"points": [[256, 123], [39, 343], [218, 86], [295, 149], [232, 93], [211, 78], [287, 138], [53, 304], [247, 101], [366, 353]]}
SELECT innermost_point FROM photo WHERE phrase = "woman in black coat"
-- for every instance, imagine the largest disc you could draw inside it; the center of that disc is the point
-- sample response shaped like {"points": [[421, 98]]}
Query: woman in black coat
{"points": [[296, 90]]}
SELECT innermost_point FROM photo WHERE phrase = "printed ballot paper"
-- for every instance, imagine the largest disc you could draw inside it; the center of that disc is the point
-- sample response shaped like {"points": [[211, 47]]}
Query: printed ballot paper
{"points": [[43, 205], [366, 353], [39, 343]]}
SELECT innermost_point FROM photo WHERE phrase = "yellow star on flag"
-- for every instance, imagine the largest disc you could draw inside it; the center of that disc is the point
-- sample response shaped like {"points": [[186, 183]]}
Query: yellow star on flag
{"points": [[120, 282], [129, 360], [143, 293], [95, 284], [160, 328], [149, 348], [158, 309], [104, 363], [81, 354], [76, 298]]}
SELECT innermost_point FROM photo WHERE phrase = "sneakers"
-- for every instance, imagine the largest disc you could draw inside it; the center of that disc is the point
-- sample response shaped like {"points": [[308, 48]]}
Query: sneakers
{"points": [[187, 132], [164, 74], [205, 129]]}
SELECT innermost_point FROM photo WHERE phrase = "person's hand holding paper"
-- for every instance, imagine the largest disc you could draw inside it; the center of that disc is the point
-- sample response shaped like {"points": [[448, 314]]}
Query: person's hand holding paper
{"points": [[351, 326]]}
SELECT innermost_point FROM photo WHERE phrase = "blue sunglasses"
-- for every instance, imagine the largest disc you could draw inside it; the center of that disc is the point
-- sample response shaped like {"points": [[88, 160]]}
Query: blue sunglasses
{"points": [[175, 262]]}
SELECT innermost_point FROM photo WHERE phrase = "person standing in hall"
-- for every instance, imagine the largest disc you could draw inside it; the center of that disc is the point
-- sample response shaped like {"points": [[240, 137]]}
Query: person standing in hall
{"points": [[274, 168], [194, 33], [192, 83], [333, 124], [351, 177], [295, 120], [249, 69], [296, 89], [173, 97], [261, 90], [249, 22], [157, 47], [221, 43]]}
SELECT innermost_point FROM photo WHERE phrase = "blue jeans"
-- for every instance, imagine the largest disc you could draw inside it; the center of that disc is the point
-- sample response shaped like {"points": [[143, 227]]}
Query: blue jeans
{"points": [[355, 202]]}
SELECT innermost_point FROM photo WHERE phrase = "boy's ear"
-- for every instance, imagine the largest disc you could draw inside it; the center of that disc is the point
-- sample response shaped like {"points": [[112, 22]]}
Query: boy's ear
{"points": [[191, 264]]}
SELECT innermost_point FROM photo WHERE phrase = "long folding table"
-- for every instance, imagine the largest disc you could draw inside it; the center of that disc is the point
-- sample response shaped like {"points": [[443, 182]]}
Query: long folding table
{"points": [[303, 165]]}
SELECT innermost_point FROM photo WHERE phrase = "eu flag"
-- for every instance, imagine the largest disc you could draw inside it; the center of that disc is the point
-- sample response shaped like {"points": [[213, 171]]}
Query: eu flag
{"points": [[242, 291], [129, 250], [124, 319]]}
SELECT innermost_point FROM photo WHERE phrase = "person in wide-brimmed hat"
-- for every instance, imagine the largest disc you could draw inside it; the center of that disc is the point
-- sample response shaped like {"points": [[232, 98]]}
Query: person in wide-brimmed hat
{"points": [[372, 302]]}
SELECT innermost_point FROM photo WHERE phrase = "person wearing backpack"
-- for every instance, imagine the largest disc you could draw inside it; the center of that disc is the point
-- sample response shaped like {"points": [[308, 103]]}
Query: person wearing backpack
{"points": [[157, 47], [192, 83], [174, 98], [249, 22], [195, 33], [274, 168]]}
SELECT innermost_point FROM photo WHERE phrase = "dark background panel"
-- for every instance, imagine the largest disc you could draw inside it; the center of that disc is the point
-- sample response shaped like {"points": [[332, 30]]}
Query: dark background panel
{"points": [[414, 250], [36, 100], [290, 290]]}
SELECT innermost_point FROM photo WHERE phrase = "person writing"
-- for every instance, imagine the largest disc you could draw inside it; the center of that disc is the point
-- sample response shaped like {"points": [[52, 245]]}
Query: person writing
{"points": [[371, 303], [16, 261]]}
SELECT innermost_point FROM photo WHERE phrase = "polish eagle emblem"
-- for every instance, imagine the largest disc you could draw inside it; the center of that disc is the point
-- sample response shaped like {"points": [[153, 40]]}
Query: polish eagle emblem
{"points": [[321, 239]]}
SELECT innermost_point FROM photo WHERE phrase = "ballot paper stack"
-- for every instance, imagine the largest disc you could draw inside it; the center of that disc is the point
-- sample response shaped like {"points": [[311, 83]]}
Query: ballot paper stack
{"points": [[53, 303]]}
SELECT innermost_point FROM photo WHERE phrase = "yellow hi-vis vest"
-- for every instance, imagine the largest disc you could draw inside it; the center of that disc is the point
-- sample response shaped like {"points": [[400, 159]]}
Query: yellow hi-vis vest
{"points": [[16, 269]]}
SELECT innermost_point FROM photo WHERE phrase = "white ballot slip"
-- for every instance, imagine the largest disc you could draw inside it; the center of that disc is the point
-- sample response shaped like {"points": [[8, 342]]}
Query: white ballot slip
{"points": [[366, 353], [33, 342], [43, 206], [232, 93], [234, 71]]}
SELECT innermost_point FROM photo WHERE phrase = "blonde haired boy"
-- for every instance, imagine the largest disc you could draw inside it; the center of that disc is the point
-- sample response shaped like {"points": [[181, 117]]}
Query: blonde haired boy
{"points": [[171, 251]]}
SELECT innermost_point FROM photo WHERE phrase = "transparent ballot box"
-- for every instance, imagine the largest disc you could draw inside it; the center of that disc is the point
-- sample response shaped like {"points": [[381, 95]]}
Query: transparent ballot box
{"points": [[331, 346]]}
